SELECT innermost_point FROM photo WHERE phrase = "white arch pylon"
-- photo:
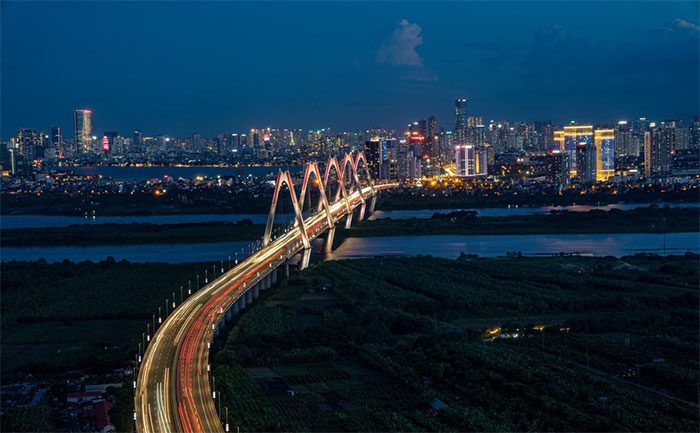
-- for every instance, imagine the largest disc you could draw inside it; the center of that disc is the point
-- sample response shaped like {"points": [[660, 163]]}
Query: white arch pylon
{"points": [[284, 177]]}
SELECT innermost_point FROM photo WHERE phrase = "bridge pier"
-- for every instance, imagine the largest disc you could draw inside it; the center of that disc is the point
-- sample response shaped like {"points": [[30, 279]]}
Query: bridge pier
{"points": [[274, 275], [348, 220], [328, 247], [234, 307], [373, 204], [362, 212], [256, 290], [305, 259], [248, 296], [286, 269]]}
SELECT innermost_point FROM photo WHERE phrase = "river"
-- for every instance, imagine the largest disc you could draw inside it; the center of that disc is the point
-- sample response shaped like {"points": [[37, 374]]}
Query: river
{"points": [[40, 221], [449, 246]]}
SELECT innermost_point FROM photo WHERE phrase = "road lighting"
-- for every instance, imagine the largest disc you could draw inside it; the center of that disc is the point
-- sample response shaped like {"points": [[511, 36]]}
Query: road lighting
{"points": [[222, 266], [173, 300], [189, 287], [148, 329], [160, 318], [206, 276]]}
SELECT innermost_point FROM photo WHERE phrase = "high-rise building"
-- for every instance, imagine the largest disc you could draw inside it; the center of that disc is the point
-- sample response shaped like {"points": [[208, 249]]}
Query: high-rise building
{"points": [[473, 121], [432, 138], [658, 150], [460, 131], [27, 142], [558, 167], [373, 154], [624, 140], [694, 133], [574, 135], [604, 140], [558, 141], [82, 131], [57, 142], [470, 160]]}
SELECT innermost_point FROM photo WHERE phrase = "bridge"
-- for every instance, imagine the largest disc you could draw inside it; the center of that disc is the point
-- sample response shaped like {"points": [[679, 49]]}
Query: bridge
{"points": [[173, 390]]}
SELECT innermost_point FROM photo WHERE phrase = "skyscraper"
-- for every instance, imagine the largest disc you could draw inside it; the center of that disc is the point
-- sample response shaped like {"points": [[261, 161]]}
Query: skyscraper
{"points": [[82, 130], [574, 135], [460, 131], [57, 142], [604, 140]]}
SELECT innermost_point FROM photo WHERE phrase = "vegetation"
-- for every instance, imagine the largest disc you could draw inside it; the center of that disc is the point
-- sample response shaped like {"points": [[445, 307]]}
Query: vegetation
{"points": [[27, 419], [642, 220], [448, 198], [135, 233], [58, 316], [508, 344]]}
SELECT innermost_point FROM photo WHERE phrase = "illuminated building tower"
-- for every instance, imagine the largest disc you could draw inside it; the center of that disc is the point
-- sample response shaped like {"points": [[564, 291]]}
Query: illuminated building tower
{"points": [[470, 160], [558, 167], [694, 133], [658, 150], [581, 161], [82, 131], [27, 141], [625, 144], [460, 131], [57, 142], [136, 148], [558, 141], [432, 138], [573, 135], [474, 121], [604, 140], [373, 153]]}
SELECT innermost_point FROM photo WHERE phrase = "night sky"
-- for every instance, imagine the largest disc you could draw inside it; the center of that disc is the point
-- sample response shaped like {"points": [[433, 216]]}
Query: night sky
{"points": [[177, 68]]}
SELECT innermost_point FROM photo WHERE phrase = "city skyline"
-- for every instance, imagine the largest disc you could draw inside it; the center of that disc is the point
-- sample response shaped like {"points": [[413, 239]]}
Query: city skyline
{"points": [[374, 65]]}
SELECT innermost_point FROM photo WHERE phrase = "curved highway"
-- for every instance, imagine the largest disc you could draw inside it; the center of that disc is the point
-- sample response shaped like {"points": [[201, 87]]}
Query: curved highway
{"points": [[173, 393]]}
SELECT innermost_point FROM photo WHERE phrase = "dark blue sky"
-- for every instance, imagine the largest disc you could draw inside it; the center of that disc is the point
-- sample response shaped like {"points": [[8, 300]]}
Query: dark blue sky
{"points": [[179, 67]]}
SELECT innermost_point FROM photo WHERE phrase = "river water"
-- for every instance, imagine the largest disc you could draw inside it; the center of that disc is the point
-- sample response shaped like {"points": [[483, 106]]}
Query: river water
{"points": [[449, 246], [39, 221]]}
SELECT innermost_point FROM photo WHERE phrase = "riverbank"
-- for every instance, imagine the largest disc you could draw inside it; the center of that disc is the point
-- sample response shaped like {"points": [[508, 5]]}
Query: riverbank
{"points": [[642, 220]]}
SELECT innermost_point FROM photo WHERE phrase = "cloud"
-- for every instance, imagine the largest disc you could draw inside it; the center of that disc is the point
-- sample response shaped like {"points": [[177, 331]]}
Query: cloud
{"points": [[401, 48], [400, 51], [684, 24]]}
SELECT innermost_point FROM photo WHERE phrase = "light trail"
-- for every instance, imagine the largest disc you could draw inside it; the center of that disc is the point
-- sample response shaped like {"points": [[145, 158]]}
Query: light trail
{"points": [[173, 391]]}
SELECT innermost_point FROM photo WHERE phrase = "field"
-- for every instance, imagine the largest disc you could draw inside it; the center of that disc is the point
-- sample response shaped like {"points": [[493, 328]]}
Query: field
{"points": [[426, 344], [85, 315]]}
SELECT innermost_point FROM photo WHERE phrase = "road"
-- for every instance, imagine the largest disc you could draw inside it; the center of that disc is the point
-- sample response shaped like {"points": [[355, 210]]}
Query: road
{"points": [[173, 391]]}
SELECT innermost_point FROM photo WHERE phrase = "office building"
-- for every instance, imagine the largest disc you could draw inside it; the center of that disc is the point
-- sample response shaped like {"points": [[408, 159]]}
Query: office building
{"points": [[604, 141], [573, 136], [57, 142], [460, 131], [82, 131]]}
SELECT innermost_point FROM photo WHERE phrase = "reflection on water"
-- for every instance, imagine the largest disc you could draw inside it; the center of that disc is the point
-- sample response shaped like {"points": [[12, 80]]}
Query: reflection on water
{"points": [[442, 246], [450, 246], [521, 210]]}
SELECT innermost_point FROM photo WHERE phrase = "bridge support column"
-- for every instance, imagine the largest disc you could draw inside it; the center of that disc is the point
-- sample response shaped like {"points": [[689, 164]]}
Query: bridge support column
{"points": [[274, 276], [286, 269], [328, 247], [249, 296], [362, 212], [234, 307], [256, 290], [268, 279], [229, 312], [348, 220], [305, 259], [373, 204], [241, 302]]}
